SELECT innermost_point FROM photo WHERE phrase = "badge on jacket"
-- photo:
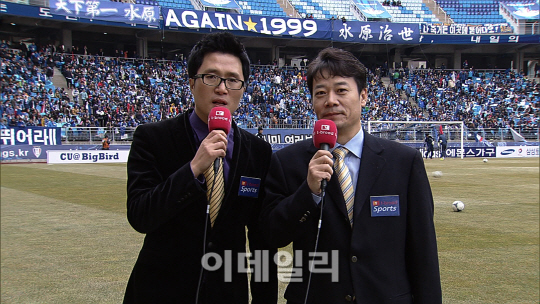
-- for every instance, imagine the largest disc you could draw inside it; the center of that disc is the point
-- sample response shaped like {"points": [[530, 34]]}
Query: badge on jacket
{"points": [[387, 205], [249, 186]]}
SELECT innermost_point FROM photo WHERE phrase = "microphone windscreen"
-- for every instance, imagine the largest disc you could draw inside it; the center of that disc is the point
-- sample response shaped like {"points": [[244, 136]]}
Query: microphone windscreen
{"points": [[219, 119], [324, 132]]}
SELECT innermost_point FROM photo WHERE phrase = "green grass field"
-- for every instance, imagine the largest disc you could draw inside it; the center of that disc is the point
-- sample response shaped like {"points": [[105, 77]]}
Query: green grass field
{"points": [[65, 237]]}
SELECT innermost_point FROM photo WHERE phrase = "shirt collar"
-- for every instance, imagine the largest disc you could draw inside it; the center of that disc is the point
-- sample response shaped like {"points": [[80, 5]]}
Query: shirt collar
{"points": [[355, 144], [199, 127]]}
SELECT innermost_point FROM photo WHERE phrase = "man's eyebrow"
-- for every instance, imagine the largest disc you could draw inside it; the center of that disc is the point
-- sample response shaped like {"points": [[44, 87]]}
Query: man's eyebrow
{"points": [[227, 74]]}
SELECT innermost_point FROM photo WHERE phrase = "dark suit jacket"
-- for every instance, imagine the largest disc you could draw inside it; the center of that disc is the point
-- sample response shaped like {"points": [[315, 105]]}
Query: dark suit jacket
{"points": [[390, 259], [168, 204]]}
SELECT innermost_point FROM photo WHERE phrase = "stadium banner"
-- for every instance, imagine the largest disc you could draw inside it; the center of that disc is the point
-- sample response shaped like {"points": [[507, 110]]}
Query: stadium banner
{"points": [[375, 32], [177, 19], [523, 10], [87, 157], [36, 153], [284, 137], [47, 13], [479, 39], [228, 4], [107, 10], [145, 16], [464, 29], [30, 136], [467, 152], [518, 151], [372, 9]]}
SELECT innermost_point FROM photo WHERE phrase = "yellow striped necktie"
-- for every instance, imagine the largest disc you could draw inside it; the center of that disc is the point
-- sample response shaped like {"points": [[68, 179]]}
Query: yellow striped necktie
{"points": [[217, 193], [345, 180]]}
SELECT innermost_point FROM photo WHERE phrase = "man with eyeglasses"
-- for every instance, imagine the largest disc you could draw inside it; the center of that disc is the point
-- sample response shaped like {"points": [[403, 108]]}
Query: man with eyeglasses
{"points": [[192, 254]]}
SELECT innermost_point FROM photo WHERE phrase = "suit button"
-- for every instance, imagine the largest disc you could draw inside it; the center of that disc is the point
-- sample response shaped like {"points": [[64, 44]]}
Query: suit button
{"points": [[210, 245], [354, 259], [349, 298]]}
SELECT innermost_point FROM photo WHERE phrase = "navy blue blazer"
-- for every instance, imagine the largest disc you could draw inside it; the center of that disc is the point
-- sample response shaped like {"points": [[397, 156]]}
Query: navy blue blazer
{"points": [[386, 259], [168, 204]]}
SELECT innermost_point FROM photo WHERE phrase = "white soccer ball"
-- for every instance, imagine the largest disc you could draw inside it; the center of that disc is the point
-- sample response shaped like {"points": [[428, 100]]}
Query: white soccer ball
{"points": [[458, 206], [485, 160], [437, 174]]}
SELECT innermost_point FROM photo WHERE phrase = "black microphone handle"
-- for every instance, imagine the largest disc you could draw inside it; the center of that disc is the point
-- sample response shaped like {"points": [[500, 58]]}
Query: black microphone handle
{"points": [[216, 165], [324, 182]]}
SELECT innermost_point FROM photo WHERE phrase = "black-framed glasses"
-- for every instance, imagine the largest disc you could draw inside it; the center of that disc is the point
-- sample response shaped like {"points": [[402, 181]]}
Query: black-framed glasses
{"points": [[214, 80]]}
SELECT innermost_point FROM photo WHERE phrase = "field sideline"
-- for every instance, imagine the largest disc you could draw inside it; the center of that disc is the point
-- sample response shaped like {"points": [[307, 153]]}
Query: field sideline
{"points": [[65, 237]]}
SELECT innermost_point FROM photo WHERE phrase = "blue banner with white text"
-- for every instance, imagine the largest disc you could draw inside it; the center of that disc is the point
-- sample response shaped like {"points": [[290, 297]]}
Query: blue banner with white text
{"points": [[177, 19], [30, 136], [110, 13], [107, 10], [376, 32]]}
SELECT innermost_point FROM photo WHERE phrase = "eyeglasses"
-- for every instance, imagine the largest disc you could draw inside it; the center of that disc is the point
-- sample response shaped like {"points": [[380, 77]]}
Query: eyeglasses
{"points": [[215, 81]]}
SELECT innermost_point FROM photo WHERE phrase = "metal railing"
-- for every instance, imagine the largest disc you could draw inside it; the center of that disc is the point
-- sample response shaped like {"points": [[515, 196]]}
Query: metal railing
{"points": [[94, 135]]}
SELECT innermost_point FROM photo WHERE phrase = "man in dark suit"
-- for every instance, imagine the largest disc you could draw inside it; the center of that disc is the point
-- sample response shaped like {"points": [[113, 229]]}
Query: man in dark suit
{"points": [[382, 247], [189, 256]]}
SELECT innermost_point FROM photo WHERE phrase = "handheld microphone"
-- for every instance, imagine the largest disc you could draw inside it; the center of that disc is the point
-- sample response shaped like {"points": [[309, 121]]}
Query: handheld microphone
{"points": [[219, 118], [324, 138]]}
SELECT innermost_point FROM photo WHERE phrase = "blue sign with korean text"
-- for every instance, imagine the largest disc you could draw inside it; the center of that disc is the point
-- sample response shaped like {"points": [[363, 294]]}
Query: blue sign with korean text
{"points": [[30, 136]]}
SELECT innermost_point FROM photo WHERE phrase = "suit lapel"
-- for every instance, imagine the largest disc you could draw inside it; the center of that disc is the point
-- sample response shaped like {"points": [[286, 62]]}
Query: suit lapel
{"points": [[371, 164]]}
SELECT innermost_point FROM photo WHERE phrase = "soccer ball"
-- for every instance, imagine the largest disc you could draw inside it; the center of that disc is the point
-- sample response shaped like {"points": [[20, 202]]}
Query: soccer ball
{"points": [[485, 160], [458, 206], [437, 173]]}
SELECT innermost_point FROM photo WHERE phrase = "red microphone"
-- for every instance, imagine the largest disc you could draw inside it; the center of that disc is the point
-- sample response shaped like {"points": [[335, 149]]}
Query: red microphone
{"points": [[324, 138], [324, 134], [219, 118]]}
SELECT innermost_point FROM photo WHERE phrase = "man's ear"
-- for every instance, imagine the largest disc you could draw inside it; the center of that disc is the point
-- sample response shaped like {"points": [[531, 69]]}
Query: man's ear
{"points": [[363, 97], [191, 84]]}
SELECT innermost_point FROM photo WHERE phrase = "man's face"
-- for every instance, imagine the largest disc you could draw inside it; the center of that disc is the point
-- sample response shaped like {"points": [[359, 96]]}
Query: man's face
{"points": [[337, 98], [207, 97]]}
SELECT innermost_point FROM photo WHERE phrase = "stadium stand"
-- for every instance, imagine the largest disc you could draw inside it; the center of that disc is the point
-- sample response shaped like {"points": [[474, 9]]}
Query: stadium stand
{"points": [[179, 4], [411, 11], [310, 8], [473, 11], [124, 93], [262, 7]]}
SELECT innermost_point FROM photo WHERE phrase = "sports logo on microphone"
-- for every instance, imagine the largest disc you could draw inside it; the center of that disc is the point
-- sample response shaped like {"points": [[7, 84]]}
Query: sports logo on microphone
{"points": [[325, 127], [220, 113]]}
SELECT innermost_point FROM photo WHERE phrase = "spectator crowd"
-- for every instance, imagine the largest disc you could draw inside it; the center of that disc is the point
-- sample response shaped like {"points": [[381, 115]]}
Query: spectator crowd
{"points": [[118, 92]]}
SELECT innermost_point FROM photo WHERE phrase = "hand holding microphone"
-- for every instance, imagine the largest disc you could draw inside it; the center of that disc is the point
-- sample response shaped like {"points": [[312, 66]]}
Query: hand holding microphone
{"points": [[214, 146], [320, 167]]}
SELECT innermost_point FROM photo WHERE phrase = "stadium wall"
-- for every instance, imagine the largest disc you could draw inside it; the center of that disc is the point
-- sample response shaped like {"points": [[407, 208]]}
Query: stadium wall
{"points": [[278, 138]]}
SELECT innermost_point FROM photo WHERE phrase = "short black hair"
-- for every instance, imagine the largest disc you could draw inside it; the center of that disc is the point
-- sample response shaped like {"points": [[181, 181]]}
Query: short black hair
{"points": [[219, 42], [337, 62]]}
